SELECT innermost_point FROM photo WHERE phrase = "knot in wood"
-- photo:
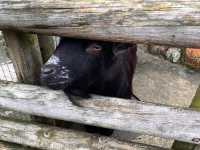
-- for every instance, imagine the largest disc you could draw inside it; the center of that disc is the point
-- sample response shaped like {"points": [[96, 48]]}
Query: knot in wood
{"points": [[47, 134]]}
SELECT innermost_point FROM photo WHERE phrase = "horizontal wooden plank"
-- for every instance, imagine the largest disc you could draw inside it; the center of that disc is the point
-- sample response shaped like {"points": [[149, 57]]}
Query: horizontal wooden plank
{"points": [[126, 115], [13, 115], [51, 138], [11, 146], [173, 22], [118, 12], [183, 36]]}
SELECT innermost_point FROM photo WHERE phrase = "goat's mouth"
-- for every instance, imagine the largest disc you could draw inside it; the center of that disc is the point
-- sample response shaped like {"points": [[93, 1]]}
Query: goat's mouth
{"points": [[59, 85]]}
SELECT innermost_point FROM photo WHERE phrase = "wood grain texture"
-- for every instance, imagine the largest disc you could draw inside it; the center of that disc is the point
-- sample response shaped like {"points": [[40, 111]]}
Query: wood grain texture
{"points": [[47, 46], [25, 54], [177, 145], [126, 115], [51, 138], [13, 115], [11, 146], [173, 22]]}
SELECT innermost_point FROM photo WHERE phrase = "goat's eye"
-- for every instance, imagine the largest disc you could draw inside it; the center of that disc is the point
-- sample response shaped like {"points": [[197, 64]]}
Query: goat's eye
{"points": [[97, 47], [94, 49]]}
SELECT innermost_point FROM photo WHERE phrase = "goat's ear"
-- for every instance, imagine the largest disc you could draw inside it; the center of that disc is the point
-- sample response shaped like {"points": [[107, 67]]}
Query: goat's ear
{"points": [[121, 47], [94, 49]]}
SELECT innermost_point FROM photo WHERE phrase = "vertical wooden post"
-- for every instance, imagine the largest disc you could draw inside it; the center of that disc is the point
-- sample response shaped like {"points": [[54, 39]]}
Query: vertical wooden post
{"points": [[178, 145], [47, 46], [25, 53], [24, 50]]}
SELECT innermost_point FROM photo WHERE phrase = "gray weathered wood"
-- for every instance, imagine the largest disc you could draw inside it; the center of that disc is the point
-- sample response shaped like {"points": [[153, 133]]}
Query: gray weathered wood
{"points": [[162, 22], [13, 115], [177, 145], [126, 115], [51, 138], [25, 53], [11, 146], [46, 46]]}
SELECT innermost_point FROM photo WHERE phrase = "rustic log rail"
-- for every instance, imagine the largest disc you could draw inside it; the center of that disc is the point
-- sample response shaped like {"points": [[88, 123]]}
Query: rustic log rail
{"points": [[161, 22], [175, 22], [127, 115], [52, 138], [11, 146]]}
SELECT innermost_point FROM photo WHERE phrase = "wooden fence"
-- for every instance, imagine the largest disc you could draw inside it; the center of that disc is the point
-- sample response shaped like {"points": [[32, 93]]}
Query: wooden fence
{"points": [[160, 22], [164, 22]]}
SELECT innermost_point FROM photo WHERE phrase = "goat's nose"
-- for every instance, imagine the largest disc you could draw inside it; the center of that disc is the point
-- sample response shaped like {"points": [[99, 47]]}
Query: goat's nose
{"points": [[48, 70]]}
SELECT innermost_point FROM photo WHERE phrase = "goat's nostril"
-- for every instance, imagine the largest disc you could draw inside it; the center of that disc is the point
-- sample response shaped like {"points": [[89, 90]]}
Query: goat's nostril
{"points": [[48, 70]]}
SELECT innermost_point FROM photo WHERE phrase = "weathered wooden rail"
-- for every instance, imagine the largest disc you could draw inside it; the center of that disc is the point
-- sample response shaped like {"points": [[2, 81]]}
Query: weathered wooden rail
{"points": [[175, 22], [126, 115], [52, 138], [162, 22]]}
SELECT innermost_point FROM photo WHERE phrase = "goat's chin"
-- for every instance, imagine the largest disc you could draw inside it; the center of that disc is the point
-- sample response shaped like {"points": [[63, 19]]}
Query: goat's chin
{"points": [[55, 86]]}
